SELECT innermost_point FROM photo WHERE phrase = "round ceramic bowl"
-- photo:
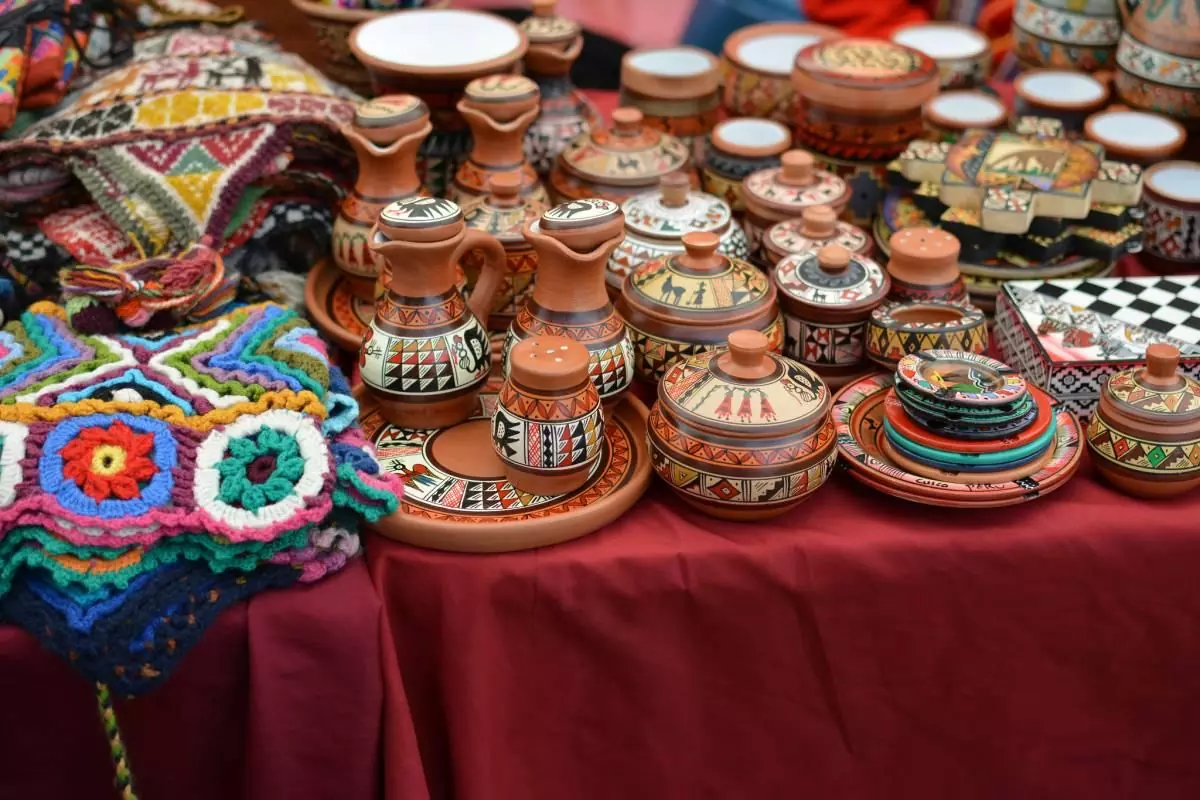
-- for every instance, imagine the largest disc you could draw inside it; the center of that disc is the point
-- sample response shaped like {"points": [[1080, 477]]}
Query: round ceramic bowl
{"points": [[757, 64], [963, 54], [895, 330], [676, 88], [1069, 96], [736, 148], [950, 114], [1150, 79], [1140, 137], [1171, 199]]}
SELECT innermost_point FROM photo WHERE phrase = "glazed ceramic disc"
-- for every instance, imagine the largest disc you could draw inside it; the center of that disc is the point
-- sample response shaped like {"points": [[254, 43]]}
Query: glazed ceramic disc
{"points": [[1029, 467], [941, 461], [996, 460], [982, 415], [973, 430], [448, 41], [897, 417], [961, 379], [337, 312]]}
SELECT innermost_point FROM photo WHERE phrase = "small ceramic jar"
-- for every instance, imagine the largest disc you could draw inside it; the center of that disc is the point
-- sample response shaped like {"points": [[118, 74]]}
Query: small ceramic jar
{"points": [[498, 109], [950, 114], [1158, 59], [963, 54], [548, 430], [817, 227], [896, 329], [924, 266], [735, 149], [655, 224], [1065, 95], [827, 296], [1171, 199], [1145, 434], [679, 305], [773, 195], [1076, 34], [619, 162], [675, 88], [860, 99], [1138, 137], [757, 64], [742, 434]]}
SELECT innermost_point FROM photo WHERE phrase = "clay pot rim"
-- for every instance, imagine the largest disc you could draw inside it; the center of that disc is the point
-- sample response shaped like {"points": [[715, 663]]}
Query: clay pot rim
{"points": [[935, 117], [339, 14], [670, 87], [1122, 148], [985, 46], [778, 253], [1078, 105], [471, 69], [971, 317], [1183, 202], [739, 37], [745, 151]]}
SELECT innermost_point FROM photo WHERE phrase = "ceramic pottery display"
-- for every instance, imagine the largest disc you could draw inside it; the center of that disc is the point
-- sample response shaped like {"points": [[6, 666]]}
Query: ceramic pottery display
{"points": [[737, 148], [617, 163], [573, 242], [1158, 59], [868, 182], [1078, 34], [655, 224], [895, 330], [1139, 137], [951, 114], [1062, 94], [783, 192], [963, 54], [1172, 205], [554, 45], [548, 429], [498, 109], [677, 89], [426, 355], [860, 99], [742, 434], [817, 227], [924, 266], [682, 304], [385, 135], [338, 313], [1145, 435], [827, 296], [504, 214], [756, 62]]}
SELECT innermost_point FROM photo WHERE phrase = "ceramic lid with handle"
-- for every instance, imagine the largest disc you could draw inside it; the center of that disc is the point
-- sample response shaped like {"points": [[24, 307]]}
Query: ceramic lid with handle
{"points": [[1157, 395], [504, 212], [627, 154], [544, 27], [794, 185], [873, 74], [817, 227], [831, 283], [672, 210], [745, 391]]}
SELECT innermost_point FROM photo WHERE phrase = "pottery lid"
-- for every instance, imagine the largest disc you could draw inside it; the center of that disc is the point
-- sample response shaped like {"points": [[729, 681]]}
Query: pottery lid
{"points": [[750, 137], [831, 279], [441, 42], [817, 226], [1157, 392], [770, 48], [389, 110], [932, 247], [1060, 88], [745, 391], [627, 154], [858, 73], [946, 41], [1177, 181], [504, 212], [1136, 134], [500, 89], [967, 108], [418, 218], [548, 363], [794, 185], [543, 27], [670, 73], [957, 378], [673, 209], [582, 224]]}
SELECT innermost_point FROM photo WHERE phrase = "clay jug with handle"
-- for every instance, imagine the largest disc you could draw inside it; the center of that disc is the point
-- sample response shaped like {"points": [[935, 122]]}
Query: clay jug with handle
{"points": [[573, 242], [426, 355], [1158, 58], [499, 110], [385, 135]]}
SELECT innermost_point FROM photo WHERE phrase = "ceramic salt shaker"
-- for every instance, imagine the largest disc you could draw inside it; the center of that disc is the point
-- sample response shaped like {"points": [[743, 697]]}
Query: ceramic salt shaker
{"points": [[924, 266], [773, 195], [817, 227]]}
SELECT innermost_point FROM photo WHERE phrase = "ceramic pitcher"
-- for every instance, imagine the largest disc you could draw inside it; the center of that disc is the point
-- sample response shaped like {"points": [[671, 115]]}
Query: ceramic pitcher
{"points": [[498, 109]]}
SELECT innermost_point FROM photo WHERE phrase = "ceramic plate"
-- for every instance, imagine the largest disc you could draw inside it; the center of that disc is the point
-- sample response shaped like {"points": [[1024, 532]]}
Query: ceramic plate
{"points": [[897, 416], [961, 379], [1001, 459]]}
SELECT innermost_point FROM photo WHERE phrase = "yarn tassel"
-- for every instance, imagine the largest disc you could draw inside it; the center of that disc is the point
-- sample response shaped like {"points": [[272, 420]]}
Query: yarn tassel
{"points": [[123, 778]]}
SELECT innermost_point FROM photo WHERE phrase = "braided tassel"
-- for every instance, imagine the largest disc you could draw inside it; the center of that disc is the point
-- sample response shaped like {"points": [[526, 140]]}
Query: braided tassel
{"points": [[123, 779]]}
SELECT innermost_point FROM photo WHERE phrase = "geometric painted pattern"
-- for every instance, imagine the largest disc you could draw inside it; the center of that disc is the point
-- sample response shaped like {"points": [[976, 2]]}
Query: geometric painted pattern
{"points": [[541, 445], [1162, 458], [737, 491]]}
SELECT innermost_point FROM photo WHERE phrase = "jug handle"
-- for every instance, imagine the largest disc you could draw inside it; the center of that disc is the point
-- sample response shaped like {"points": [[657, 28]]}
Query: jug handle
{"points": [[491, 275]]}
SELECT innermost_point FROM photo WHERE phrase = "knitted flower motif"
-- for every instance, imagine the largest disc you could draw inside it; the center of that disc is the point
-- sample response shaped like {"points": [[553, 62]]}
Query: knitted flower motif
{"points": [[260, 469], [109, 462]]}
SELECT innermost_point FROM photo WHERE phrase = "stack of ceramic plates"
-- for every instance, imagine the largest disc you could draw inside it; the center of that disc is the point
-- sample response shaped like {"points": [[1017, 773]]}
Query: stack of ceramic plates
{"points": [[954, 428]]}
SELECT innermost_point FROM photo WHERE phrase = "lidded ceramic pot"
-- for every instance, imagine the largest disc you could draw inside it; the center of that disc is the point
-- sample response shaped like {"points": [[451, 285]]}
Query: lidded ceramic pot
{"points": [[1171, 199], [426, 355], [656, 222], [735, 149], [860, 99], [773, 195], [924, 266], [817, 227], [757, 62], [1145, 434], [1068, 96], [386, 134], [827, 296], [675, 88], [963, 54], [504, 214], [618, 162], [554, 45], [682, 304], [548, 430], [951, 114], [498, 109], [741, 433], [899, 329], [1138, 137], [1158, 59]]}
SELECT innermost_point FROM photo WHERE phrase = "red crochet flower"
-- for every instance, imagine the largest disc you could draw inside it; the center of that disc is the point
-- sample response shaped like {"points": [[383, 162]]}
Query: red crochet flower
{"points": [[109, 462]]}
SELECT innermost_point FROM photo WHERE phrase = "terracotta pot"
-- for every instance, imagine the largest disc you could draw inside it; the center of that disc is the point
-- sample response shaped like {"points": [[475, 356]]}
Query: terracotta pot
{"points": [[680, 305], [573, 242], [1138, 137], [868, 182], [675, 88], [1158, 59], [924, 266], [742, 434], [499, 110], [817, 227], [951, 114], [656, 222], [896, 329], [619, 162], [1171, 199], [737, 148], [757, 64], [385, 135], [426, 355], [861, 99], [1068, 96], [963, 54], [773, 195], [548, 430], [1146, 431], [1066, 33]]}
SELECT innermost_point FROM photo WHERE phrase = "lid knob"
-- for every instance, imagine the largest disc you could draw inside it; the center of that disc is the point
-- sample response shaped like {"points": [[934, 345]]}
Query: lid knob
{"points": [[1162, 364], [820, 222], [543, 8], [627, 121], [701, 253], [833, 259], [549, 363], [505, 188], [798, 168], [747, 358], [674, 188]]}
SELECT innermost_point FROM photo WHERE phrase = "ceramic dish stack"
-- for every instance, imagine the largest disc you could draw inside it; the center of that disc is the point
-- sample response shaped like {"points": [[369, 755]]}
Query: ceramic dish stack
{"points": [[952, 428]]}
